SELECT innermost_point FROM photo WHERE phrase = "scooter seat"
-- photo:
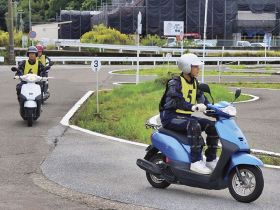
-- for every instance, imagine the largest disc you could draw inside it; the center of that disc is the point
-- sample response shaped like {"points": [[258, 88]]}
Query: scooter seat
{"points": [[181, 137]]}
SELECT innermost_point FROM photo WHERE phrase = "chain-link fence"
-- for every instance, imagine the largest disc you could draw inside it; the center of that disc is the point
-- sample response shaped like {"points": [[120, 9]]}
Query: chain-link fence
{"points": [[229, 21]]}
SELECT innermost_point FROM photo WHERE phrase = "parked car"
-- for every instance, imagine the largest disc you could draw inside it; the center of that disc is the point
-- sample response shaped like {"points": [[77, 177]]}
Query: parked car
{"points": [[258, 44], [171, 42], [243, 44]]}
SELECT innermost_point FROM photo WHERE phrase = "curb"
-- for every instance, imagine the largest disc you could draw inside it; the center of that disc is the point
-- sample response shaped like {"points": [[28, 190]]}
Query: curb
{"points": [[65, 121]]}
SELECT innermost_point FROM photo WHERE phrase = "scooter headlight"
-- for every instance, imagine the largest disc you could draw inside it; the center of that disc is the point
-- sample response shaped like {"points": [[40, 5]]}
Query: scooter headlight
{"points": [[31, 77], [230, 110]]}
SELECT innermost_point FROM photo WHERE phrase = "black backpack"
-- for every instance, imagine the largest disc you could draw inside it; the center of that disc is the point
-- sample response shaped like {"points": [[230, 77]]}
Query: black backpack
{"points": [[162, 100]]}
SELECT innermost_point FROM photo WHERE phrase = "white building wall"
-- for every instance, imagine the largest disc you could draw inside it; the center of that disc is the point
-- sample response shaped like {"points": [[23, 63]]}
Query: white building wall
{"points": [[46, 32]]}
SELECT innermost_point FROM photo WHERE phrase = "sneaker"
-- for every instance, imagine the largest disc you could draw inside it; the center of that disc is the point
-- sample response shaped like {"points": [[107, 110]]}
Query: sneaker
{"points": [[200, 167], [212, 164]]}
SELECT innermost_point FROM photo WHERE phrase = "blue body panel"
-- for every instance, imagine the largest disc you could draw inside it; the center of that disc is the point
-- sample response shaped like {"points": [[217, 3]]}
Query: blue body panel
{"points": [[171, 148], [227, 129], [243, 158]]}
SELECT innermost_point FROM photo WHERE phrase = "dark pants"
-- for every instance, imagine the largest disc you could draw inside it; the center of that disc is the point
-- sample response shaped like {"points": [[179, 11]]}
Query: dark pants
{"points": [[181, 124], [18, 87]]}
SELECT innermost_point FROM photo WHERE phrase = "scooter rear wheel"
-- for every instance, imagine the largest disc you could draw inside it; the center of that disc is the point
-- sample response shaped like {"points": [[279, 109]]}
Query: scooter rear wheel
{"points": [[156, 181], [250, 187]]}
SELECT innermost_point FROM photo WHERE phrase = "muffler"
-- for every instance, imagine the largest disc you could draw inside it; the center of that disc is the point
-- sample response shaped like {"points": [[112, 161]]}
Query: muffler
{"points": [[148, 166]]}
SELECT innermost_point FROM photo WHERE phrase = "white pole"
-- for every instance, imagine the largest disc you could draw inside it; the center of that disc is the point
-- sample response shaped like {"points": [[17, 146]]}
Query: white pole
{"points": [[221, 65], [204, 38], [139, 31], [265, 53], [182, 49], [137, 73], [97, 92]]}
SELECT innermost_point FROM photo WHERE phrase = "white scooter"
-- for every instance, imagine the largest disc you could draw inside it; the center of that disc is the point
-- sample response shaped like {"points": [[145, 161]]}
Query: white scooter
{"points": [[30, 98]]}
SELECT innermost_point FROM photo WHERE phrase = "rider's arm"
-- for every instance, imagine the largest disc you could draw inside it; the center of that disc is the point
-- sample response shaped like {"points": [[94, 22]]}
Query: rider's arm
{"points": [[200, 97], [21, 66], [174, 97], [41, 70]]}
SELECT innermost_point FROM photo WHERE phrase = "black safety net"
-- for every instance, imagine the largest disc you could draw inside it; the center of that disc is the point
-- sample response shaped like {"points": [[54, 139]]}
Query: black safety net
{"points": [[222, 18]]}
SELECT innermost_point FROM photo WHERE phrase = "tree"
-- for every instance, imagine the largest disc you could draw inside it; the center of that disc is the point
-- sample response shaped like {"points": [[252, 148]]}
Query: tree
{"points": [[3, 11]]}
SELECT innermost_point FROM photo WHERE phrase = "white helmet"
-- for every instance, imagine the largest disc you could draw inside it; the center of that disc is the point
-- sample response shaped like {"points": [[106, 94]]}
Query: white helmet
{"points": [[186, 61]]}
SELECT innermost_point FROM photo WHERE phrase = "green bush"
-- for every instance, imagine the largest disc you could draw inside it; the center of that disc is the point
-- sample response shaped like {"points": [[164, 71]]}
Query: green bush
{"points": [[152, 40], [4, 38], [247, 54], [103, 35]]}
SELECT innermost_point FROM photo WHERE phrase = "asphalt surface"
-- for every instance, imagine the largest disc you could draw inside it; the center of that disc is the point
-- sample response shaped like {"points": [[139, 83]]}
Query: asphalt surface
{"points": [[105, 168], [96, 166], [23, 149]]}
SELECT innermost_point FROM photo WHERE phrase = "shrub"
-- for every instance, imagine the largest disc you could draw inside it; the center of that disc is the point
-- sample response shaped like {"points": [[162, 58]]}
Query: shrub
{"points": [[247, 54], [4, 38], [103, 35], [152, 40]]}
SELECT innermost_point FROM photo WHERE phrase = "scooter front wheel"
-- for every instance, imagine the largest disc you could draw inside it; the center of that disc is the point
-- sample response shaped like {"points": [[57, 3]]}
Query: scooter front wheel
{"points": [[29, 118], [156, 181], [246, 184]]}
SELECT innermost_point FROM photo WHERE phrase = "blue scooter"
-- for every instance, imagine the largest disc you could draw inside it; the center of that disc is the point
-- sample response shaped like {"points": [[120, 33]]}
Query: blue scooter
{"points": [[167, 160]]}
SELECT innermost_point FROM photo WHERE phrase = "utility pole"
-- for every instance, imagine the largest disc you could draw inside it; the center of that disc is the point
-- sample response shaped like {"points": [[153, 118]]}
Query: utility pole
{"points": [[30, 24], [15, 15], [11, 33]]}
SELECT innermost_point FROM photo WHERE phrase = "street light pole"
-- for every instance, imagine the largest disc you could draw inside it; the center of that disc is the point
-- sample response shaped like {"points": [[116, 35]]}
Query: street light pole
{"points": [[11, 33], [204, 38]]}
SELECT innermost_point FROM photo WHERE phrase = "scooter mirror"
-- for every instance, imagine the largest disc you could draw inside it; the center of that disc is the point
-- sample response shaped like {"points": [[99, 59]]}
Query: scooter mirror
{"points": [[204, 87], [14, 69], [51, 63], [237, 93]]}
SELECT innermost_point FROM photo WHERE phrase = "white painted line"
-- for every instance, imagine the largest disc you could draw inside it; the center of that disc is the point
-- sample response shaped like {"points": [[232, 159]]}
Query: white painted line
{"points": [[271, 166], [71, 112], [254, 98], [115, 72], [107, 137], [266, 152], [123, 83]]}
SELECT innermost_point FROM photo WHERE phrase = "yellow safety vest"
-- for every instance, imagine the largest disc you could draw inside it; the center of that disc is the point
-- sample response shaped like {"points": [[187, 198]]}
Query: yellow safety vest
{"points": [[42, 59], [189, 94], [29, 68]]}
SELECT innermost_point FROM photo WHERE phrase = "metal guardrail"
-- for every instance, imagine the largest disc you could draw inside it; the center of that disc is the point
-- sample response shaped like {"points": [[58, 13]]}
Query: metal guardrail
{"points": [[156, 49], [2, 59], [101, 47], [155, 60]]}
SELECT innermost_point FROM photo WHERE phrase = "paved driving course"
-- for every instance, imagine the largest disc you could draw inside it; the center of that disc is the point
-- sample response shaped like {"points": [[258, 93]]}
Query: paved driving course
{"points": [[85, 165]]}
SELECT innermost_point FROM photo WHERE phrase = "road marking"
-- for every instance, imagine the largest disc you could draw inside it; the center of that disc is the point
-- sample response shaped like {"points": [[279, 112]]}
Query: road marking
{"points": [[71, 112]]}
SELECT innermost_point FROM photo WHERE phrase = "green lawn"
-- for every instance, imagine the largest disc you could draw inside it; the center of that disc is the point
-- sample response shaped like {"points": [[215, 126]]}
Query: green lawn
{"points": [[164, 69], [124, 110]]}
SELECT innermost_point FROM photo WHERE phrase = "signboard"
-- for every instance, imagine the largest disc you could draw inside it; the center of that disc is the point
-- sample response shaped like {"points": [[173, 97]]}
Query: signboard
{"points": [[95, 64], [95, 67], [32, 34], [173, 28], [139, 24]]}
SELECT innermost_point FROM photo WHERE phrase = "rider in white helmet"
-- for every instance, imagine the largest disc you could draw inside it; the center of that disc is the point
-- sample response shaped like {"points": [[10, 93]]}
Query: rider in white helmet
{"points": [[181, 98]]}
